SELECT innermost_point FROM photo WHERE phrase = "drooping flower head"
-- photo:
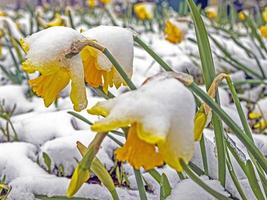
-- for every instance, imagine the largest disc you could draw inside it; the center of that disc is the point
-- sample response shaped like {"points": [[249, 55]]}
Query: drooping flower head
{"points": [[242, 15], [175, 30], [161, 118], [144, 11], [92, 3], [57, 21], [211, 12], [46, 55], [98, 70]]}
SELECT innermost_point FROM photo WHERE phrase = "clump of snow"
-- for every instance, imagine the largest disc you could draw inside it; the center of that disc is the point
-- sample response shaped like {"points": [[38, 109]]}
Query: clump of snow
{"points": [[14, 95], [17, 159], [50, 44], [188, 190], [63, 151]]}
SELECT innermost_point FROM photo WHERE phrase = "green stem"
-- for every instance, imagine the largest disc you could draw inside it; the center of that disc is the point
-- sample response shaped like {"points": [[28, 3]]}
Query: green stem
{"points": [[119, 69], [209, 75], [230, 123], [140, 184], [154, 55], [234, 177], [204, 155]]}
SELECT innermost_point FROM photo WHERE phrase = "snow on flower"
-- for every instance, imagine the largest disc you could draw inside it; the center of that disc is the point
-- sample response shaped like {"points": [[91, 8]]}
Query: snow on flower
{"points": [[211, 12], [175, 30], [46, 54], [98, 69], [144, 11], [161, 118]]}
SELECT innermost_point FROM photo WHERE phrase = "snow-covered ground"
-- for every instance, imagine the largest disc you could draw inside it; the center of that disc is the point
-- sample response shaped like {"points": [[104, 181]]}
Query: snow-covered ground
{"points": [[52, 131]]}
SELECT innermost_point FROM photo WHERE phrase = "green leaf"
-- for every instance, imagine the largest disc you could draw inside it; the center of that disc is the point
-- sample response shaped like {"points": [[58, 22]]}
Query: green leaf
{"points": [[47, 161], [165, 187], [209, 75]]}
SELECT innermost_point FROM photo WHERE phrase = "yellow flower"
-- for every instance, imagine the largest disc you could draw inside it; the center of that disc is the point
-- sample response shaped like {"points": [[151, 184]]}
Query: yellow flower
{"points": [[57, 21], [97, 68], [211, 12], [46, 55], [175, 31], [92, 3], [242, 16], [105, 1], [161, 118], [2, 13], [143, 11], [263, 30], [264, 15]]}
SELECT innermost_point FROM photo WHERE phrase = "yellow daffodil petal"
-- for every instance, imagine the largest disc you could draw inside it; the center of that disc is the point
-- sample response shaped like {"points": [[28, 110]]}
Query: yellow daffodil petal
{"points": [[139, 153], [94, 75], [199, 123], [3, 14], [211, 13], [108, 125], [79, 177], [48, 86], [242, 16], [108, 79], [254, 115], [142, 12], [260, 125], [57, 21], [28, 67], [78, 93], [92, 72], [91, 3], [172, 33], [98, 110], [263, 30], [105, 1]]}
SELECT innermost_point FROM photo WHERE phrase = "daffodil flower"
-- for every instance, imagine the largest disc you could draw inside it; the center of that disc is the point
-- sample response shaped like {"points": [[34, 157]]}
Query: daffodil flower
{"points": [[105, 1], [161, 118], [46, 55], [3, 13], [92, 3], [263, 30], [175, 30], [144, 11], [211, 12], [98, 69], [57, 21], [242, 15]]}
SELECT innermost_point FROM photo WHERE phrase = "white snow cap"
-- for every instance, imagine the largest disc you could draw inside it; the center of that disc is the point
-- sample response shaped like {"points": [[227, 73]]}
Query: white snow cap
{"points": [[180, 24], [50, 44], [119, 41]]}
